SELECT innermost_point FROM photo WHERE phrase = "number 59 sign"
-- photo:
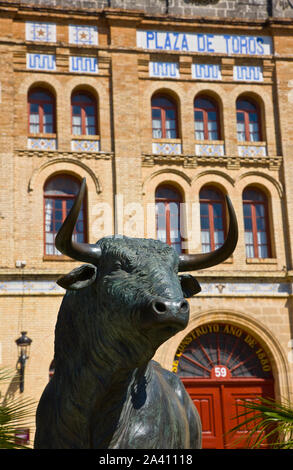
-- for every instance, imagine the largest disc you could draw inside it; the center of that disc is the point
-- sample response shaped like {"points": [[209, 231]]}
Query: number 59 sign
{"points": [[220, 372]]}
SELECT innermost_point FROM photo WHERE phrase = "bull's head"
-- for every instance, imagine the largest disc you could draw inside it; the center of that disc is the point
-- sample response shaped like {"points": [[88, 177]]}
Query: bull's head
{"points": [[140, 275]]}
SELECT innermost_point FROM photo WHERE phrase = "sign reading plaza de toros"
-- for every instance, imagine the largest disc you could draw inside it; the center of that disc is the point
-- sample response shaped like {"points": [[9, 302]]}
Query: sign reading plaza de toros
{"points": [[205, 42]]}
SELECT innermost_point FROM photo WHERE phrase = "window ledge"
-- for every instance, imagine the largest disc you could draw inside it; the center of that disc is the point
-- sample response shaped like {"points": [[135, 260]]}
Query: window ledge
{"points": [[85, 137], [261, 260], [166, 141], [42, 136], [209, 142], [248, 143]]}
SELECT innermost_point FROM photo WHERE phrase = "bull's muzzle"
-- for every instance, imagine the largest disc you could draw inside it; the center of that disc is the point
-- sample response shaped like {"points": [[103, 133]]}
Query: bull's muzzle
{"points": [[165, 312]]}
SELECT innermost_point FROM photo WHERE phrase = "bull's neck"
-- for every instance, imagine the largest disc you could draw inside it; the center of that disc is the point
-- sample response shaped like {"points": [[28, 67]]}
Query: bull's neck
{"points": [[106, 392]]}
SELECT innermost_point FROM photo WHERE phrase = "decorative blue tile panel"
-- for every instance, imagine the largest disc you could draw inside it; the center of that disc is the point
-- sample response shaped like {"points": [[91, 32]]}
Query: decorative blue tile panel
{"points": [[206, 72], [164, 69], [83, 64], [85, 145], [252, 150], [45, 32], [209, 150], [247, 73], [166, 148], [35, 143], [41, 62], [83, 35]]}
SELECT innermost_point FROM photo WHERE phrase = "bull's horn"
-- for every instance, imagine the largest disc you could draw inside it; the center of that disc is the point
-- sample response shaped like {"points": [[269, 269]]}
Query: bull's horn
{"points": [[89, 253], [206, 260]]}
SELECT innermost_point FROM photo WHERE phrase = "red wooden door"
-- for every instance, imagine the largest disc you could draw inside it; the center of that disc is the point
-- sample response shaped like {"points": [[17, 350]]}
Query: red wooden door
{"points": [[221, 365], [208, 403], [233, 396], [219, 406]]}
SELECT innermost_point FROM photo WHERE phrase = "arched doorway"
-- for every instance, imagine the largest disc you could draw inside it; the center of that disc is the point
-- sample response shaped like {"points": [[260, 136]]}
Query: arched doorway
{"points": [[221, 365]]}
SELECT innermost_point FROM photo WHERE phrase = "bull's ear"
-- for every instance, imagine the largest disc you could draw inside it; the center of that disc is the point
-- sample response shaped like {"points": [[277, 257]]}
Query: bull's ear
{"points": [[189, 285], [80, 277]]}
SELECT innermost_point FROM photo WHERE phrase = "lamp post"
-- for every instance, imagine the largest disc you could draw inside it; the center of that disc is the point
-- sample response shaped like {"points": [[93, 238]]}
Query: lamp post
{"points": [[23, 345]]}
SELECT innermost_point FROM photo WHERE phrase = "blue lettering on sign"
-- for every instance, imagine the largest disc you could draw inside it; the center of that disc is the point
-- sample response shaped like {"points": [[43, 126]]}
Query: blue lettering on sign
{"points": [[200, 43], [164, 69], [166, 41], [249, 45], [184, 45], [210, 42], [248, 73], [206, 71], [205, 42], [260, 45], [149, 37]]}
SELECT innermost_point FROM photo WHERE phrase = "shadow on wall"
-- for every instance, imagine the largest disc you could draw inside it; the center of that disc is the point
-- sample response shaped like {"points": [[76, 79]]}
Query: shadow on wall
{"points": [[12, 389]]}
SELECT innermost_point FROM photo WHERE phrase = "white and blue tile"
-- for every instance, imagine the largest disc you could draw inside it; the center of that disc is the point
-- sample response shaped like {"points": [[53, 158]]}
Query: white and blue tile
{"points": [[248, 73], [166, 148], [209, 150], [164, 69], [206, 72], [252, 151], [46, 62], [44, 32], [35, 143], [79, 64], [83, 35], [85, 145]]}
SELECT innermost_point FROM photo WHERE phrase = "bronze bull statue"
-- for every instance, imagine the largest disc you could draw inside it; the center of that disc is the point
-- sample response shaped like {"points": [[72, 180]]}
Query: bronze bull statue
{"points": [[106, 392]]}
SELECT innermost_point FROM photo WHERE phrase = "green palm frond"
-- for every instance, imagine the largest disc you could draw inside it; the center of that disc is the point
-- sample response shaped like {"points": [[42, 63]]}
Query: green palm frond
{"points": [[15, 414], [269, 421]]}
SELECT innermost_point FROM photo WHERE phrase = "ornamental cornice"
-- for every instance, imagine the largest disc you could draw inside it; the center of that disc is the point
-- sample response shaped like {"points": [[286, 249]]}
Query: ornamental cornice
{"points": [[56, 154], [230, 162]]}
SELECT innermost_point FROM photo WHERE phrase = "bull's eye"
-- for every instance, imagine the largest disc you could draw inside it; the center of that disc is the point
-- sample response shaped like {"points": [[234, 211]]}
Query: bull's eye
{"points": [[117, 266]]}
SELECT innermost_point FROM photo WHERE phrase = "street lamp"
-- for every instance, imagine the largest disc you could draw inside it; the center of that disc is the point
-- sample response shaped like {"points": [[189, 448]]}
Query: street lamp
{"points": [[23, 345]]}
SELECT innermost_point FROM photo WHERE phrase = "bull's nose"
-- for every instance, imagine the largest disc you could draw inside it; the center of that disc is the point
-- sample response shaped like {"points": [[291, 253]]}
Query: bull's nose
{"points": [[162, 307], [171, 315]]}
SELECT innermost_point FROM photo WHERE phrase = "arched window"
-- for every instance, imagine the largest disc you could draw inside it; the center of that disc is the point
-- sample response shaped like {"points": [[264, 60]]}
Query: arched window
{"points": [[164, 118], [59, 195], [248, 121], [206, 119], [212, 218], [41, 110], [84, 114], [256, 224], [168, 201]]}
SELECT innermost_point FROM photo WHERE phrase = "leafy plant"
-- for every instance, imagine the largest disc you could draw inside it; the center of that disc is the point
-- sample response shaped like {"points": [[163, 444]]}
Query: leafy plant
{"points": [[270, 422], [15, 414]]}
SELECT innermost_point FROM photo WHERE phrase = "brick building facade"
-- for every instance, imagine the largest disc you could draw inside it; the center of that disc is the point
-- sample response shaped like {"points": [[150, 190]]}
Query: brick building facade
{"points": [[156, 102]]}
